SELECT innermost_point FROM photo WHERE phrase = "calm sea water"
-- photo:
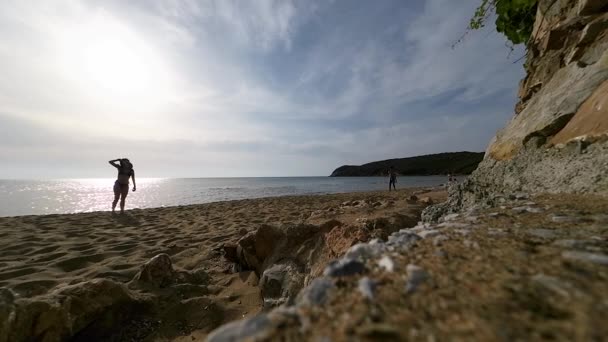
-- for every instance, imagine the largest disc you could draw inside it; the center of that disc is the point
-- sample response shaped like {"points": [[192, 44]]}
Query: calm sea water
{"points": [[34, 197]]}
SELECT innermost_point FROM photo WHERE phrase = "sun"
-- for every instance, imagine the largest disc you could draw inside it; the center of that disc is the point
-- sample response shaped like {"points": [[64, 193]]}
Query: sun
{"points": [[112, 63]]}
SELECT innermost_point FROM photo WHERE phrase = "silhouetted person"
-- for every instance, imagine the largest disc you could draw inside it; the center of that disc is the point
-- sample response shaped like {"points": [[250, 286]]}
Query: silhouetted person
{"points": [[121, 186], [392, 174]]}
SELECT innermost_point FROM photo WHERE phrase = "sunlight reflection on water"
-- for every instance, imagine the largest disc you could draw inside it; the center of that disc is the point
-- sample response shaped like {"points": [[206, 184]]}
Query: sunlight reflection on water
{"points": [[35, 197]]}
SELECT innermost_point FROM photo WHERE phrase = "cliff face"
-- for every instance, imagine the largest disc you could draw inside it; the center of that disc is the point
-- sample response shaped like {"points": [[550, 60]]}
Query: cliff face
{"points": [[432, 164], [557, 140]]}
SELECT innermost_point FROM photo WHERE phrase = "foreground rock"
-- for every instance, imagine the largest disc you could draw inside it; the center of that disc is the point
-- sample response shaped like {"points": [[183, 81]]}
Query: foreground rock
{"points": [[504, 275]]}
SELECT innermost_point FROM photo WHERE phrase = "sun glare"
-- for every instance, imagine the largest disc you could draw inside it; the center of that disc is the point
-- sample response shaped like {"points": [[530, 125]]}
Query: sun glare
{"points": [[112, 63]]}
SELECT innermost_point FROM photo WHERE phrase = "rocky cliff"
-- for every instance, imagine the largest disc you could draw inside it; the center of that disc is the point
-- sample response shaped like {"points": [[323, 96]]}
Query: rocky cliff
{"points": [[557, 139], [431, 164]]}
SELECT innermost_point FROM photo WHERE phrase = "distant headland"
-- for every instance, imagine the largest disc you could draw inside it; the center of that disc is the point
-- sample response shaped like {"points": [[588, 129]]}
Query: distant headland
{"points": [[430, 164]]}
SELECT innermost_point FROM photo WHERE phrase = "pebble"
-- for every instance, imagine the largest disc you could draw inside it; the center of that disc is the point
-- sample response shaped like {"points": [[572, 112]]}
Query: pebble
{"points": [[403, 240], [565, 219], [596, 258], [363, 251], [416, 275], [450, 217], [429, 233], [439, 239], [553, 284], [367, 287], [454, 225], [344, 268], [387, 263], [542, 233]]}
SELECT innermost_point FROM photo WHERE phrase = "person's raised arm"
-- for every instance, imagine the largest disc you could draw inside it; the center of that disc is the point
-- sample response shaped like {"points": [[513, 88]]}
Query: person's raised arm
{"points": [[113, 163], [133, 177]]}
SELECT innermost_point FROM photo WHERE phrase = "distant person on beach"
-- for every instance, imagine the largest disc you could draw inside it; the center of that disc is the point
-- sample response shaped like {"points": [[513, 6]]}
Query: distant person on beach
{"points": [[392, 174], [121, 186]]}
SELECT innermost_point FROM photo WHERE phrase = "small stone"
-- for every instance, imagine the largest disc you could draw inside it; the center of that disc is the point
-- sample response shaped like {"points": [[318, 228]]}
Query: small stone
{"points": [[521, 196], [157, 271], [416, 275], [450, 217], [542, 233], [402, 240], [344, 268], [553, 284], [558, 218], [596, 258], [439, 239], [453, 225], [429, 233], [367, 287], [364, 251], [387, 263]]}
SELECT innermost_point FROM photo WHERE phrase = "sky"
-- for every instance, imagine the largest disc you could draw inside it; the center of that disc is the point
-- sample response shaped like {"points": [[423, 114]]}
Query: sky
{"points": [[235, 88]]}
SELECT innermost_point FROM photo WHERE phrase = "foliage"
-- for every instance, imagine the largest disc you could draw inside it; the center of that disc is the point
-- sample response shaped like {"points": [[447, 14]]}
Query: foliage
{"points": [[514, 18]]}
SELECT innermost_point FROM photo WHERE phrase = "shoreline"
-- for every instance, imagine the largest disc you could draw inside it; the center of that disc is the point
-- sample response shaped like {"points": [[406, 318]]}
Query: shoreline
{"points": [[440, 187]]}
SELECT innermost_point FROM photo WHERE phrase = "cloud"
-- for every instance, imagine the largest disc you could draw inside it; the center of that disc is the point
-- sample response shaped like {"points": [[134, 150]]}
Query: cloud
{"points": [[244, 88]]}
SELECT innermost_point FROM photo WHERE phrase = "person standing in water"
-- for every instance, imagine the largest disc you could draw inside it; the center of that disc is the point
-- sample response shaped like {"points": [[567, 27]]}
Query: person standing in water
{"points": [[121, 186], [392, 174]]}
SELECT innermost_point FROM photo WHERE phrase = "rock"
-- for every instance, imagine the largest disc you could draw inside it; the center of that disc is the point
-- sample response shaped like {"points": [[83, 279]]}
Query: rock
{"points": [[316, 293], [412, 199], [280, 284], [402, 240], [386, 263], [450, 217], [429, 233], [416, 275], [543, 233], [553, 284], [364, 251], [257, 328], [587, 7], [558, 218], [344, 268], [596, 258], [454, 225], [158, 271], [426, 200], [7, 313], [367, 287], [94, 308], [439, 239]]}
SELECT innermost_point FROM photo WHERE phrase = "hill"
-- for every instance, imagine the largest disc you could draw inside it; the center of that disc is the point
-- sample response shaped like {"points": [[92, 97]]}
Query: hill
{"points": [[431, 164]]}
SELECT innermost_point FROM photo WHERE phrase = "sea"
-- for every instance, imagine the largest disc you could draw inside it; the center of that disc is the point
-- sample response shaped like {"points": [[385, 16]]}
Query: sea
{"points": [[61, 196]]}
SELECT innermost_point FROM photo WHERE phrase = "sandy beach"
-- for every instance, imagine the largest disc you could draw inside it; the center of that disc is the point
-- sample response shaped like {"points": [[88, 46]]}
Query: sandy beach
{"points": [[41, 254]]}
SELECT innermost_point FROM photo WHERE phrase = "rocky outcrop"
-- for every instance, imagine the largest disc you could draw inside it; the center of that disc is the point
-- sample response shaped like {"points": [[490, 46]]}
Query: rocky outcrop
{"points": [[102, 309], [558, 141]]}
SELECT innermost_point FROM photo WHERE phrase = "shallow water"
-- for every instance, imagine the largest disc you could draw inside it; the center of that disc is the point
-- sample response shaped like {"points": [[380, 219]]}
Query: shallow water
{"points": [[37, 197]]}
